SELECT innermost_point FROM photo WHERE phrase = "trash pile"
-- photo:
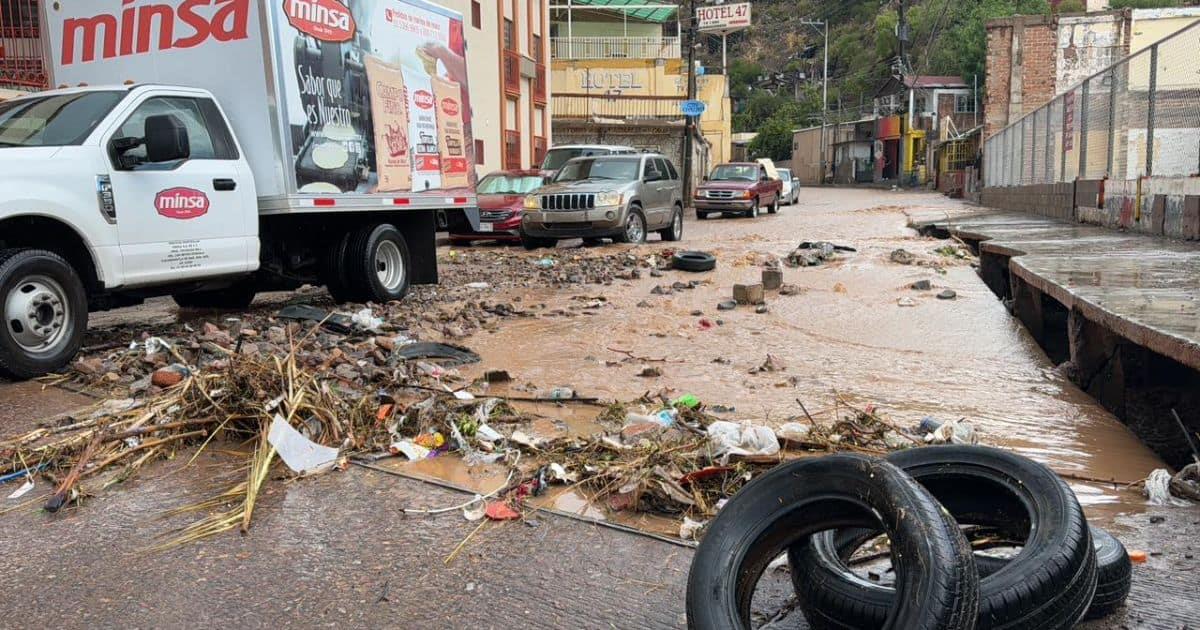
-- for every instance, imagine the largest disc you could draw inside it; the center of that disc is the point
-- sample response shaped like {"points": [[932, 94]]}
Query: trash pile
{"points": [[826, 516], [811, 254]]}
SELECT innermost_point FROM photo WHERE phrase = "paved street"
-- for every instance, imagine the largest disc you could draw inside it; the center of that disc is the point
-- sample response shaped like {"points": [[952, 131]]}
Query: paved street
{"points": [[335, 550]]}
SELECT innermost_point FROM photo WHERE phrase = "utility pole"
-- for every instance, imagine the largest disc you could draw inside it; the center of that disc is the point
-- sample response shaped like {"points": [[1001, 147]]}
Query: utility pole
{"points": [[902, 36], [824, 89], [689, 41]]}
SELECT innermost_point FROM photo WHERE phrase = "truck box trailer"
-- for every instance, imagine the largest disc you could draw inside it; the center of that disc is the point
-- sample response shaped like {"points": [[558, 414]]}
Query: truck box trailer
{"points": [[213, 149]]}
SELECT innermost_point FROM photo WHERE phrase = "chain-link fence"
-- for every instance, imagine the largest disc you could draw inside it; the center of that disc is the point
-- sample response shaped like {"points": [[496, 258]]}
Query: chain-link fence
{"points": [[1139, 117]]}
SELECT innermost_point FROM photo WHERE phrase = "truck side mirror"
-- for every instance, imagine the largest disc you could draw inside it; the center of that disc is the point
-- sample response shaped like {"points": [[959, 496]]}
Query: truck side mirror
{"points": [[704, 179], [166, 139]]}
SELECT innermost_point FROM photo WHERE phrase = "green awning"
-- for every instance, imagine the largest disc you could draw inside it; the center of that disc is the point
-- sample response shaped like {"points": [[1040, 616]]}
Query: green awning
{"points": [[649, 15]]}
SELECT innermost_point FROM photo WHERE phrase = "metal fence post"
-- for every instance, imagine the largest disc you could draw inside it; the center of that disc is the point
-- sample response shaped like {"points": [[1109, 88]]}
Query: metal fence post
{"points": [[1033, 152], [1083, 130], [1112, 122], [1150, 110], [1050, 142]]}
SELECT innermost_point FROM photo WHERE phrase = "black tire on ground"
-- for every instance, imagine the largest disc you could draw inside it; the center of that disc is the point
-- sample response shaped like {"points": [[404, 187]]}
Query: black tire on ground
{"points": [[753, 211], [774, 207], [674, 231], [333, 270], [1114, 573], [626, 236], [377, 263], [1048, 585], [693, 261], [531, 243], [935, 574], [50, 288], [235, 297], [701, 215]]}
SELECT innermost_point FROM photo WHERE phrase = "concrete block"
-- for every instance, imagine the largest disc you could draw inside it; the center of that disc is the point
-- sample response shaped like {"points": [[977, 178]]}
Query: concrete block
{"points": [[748, 293], [1191, 218], [772, 279]]}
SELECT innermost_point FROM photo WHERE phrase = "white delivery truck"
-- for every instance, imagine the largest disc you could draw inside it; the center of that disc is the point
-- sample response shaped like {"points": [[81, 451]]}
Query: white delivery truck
{"points": [[211, 149]]}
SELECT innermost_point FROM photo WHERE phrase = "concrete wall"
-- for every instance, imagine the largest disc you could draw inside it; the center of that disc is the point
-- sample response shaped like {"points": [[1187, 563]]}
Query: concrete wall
{"points": [[1158, 206]]}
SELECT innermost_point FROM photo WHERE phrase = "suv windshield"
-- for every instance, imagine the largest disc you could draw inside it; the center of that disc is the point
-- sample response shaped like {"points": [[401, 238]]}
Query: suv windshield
{"points": [[555, 158], [625, 169], [729, 172], [508, 184], [54, 121]]}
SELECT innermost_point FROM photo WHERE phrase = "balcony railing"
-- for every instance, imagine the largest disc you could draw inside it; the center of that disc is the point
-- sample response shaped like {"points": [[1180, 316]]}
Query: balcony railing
{"points": [[512, 149], [21, 62], [614, 48], [589, 106], [539, 85], [512, 72]]}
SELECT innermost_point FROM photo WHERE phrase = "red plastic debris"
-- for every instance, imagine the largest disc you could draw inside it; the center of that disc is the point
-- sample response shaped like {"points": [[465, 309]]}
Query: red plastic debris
{"points": [[501, 511]]}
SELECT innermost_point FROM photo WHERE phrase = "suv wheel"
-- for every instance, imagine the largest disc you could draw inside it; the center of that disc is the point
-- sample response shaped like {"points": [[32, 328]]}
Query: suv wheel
{"points": [[674, 232], [635, 227], [43, 312], [753, 211]]}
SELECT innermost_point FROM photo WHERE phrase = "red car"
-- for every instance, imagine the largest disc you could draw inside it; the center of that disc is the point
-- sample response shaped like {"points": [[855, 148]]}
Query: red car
{"points": [[501, 195]]}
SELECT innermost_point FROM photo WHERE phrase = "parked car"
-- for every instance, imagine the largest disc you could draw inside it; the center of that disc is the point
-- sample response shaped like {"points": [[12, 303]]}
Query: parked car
{"points": [[501, 196], [741, 187], [617, 196], [791, 187], [557, 156]]}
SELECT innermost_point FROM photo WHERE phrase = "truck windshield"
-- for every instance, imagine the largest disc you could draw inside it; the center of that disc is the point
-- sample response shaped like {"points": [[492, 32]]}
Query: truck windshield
{"points": [[508, 184], [555, 158], [56, 120], [730, 172], [580, 169]]}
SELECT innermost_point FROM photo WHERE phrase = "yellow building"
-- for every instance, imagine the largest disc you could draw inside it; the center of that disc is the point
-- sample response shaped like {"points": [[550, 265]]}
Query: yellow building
{"points": [[615, 67]]}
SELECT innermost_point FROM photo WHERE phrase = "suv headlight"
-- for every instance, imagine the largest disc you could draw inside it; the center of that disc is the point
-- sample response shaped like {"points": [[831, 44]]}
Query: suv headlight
{"points": [[533, 202], [746, 194], [609, 198]]}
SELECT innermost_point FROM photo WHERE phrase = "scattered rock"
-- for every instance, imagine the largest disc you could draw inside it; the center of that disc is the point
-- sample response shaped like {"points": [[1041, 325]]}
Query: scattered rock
{"points": [[1155, 520], [906, 301], [645, 304], [661, 290], [654, 273], [839, 288], [789, 289], [948, 294], [697, 313], [903, 257], [650, 371], [921, 285], [727, 305], [762, 309], [91, 366], [497, 376], [680, 286], [748, 293], [169, 376], [772, 279]]}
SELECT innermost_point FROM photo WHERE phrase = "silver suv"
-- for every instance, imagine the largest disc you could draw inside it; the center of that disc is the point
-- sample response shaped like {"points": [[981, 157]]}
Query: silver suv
{"points": [[622, 197]]}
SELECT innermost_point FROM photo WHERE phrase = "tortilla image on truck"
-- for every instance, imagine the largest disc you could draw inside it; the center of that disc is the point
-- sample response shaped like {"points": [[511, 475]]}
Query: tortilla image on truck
{"points": [[217, 148]]}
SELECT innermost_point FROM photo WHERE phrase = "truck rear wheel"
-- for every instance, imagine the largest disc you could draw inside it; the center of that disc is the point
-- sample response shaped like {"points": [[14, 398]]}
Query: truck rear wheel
{"points": [[377, 263], [44, 309], [333, 269]]}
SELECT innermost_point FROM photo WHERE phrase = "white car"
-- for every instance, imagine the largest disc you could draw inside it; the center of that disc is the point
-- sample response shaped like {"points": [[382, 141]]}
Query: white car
{"points": [[791, 188]]}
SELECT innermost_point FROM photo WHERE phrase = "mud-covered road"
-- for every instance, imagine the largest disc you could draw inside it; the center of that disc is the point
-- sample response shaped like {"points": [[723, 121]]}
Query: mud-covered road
{"points": [[337, 551]]}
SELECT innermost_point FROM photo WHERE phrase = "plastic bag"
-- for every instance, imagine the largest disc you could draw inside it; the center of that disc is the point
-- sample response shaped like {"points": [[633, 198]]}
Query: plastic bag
{"points": [[731, 438], [1158, 489]]}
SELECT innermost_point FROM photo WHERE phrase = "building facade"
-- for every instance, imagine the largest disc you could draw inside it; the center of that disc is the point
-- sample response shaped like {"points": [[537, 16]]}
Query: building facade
{"points": [[619, 77], [508, 47]]}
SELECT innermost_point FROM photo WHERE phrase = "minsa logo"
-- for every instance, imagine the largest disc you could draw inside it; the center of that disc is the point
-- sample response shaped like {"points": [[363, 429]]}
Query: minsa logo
{"points": [[423, 99], [181, 203], [140, 29], [450, 107], [326, 20]]}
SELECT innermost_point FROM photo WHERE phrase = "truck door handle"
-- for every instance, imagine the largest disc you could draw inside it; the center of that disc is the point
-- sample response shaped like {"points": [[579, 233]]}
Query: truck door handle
{"points": [[224, 184]]}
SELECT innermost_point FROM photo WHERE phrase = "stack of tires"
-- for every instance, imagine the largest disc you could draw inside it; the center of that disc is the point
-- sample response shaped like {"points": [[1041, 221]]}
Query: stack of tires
{"points": [[821, 511]]}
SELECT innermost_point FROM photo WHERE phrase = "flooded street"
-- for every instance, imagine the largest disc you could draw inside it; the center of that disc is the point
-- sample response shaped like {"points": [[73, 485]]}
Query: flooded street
{"points": [[963, 358], [351, 548]]}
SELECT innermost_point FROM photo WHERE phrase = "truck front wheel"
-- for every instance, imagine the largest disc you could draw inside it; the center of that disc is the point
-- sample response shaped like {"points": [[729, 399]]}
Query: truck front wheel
{"points": [[44, 309], [378, 263]]}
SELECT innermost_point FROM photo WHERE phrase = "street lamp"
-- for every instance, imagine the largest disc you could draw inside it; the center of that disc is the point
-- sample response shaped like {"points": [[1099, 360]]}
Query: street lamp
{"points": [[824, 30]]}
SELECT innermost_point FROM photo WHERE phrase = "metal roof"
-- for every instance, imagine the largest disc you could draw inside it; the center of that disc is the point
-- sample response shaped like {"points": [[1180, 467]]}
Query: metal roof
{"points": [[650, 15]]}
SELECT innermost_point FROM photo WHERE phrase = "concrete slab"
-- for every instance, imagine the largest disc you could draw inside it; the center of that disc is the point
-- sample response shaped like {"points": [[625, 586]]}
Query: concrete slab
{"points": [[1145, 289]]}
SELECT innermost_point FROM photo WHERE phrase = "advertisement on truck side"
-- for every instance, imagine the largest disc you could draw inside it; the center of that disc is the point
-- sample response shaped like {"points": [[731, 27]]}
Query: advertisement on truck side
{"points": [[375, 95]]}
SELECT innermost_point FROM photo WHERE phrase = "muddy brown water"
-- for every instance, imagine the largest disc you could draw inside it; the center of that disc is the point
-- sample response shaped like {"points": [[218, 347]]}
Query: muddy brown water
{"points": [[844, 335]]}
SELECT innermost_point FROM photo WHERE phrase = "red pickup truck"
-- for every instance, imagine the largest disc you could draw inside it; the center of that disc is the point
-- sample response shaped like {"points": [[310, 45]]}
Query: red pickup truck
{"points": [[741, 187]]}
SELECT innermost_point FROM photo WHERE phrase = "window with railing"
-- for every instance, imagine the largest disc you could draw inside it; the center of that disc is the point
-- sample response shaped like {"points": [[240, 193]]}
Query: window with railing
{"points": [[21, 55], [538, 153], [512, 149], [583, 106], [539, 84], [614, 47]]}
